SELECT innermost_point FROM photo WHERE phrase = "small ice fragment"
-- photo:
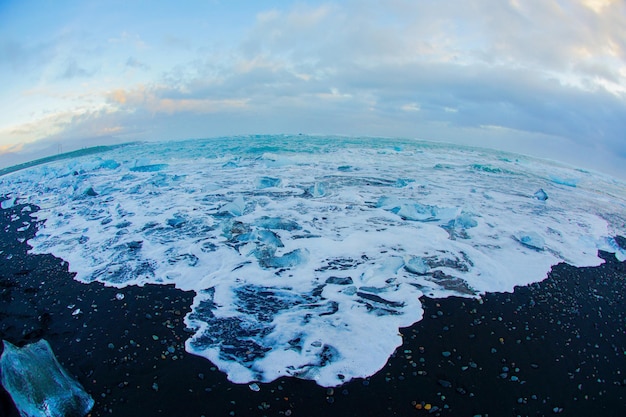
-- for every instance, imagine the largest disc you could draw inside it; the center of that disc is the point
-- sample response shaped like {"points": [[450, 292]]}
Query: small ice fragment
{"points": [[288, 260], [267, 182], [541, 195], [532, 240], [277, 223], [76, 312], [90, 192], [119, 296], [464, 221], [109, 164], [254, 387], [234, 208], [37, 383], [318, 190], [416, 265], [7, 204]]}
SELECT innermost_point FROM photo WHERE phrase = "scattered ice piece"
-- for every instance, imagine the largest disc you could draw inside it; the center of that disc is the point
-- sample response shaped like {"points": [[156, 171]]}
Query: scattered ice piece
{"points": [[109, 164], [254, 387], [7, 204], [277, 223], [37, 383], [266, 182], [119, 296], [463, 221], [76, 312], [144, 165], [541, 195], [417, 265], [317, 190], [532, 240], [90, 192], [235, 208]]}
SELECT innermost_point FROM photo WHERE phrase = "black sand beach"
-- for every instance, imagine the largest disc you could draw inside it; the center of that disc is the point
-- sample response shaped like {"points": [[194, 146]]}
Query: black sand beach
{"points": [[556, 347]]}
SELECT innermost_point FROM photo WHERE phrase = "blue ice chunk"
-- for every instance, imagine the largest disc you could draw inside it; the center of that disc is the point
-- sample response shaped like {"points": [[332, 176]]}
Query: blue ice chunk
{"points": [[532, 240], [277, 223], [265, 237], [416, 211], [541, 195], [611, 244], [90, 192], [407, 209], [463, 221], [345, 168], [38, 385], [149, 168], [266, 182], [288, 260], [9, 203], [234, 208], [176, 222], [388, 203], [109, 164], [317, 190], [230, 164], [403, 182], [417, 265]]}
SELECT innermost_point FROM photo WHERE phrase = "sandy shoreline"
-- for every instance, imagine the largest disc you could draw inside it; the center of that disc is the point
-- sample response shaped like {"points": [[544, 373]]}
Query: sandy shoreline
{"points": [[558, 346]]}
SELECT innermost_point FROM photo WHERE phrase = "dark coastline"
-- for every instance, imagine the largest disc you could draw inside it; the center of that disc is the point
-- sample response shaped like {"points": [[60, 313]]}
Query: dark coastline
{"points": [[563, 341]]}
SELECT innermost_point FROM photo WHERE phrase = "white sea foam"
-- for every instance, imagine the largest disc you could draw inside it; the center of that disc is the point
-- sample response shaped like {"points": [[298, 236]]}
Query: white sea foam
{"points": [[308, 254]]}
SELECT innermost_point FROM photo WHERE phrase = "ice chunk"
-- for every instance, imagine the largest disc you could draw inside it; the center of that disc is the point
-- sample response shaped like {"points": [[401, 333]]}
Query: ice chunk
{"points": [[411, 210], [531, 239], [7, 204], [417, 265], [262, 237], [317, 190], [38, 385], [267, 182], [277, 223], [403, 182], [463, 221], [235, 208], [109, 164], [267, 258], [541, 195], [148, 168], [90, 192]]}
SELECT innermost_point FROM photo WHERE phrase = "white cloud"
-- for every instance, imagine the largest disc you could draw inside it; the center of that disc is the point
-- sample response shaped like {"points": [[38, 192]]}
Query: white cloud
{"points": [[545, 68]]}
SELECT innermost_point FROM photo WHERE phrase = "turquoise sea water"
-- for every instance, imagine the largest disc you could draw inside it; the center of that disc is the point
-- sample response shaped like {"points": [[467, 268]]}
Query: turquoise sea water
{"points": [[307, 254]]}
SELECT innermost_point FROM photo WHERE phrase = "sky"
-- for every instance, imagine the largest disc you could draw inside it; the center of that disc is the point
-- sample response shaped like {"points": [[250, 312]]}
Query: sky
{"points": [[540, 77]]}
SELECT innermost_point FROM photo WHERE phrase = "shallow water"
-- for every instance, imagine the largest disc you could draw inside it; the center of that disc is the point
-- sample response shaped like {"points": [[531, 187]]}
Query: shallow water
{"points": [[307, 254]]}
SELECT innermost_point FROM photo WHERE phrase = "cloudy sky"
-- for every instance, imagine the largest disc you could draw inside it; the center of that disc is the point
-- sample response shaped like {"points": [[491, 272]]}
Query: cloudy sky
{"points": [[543, 77]]}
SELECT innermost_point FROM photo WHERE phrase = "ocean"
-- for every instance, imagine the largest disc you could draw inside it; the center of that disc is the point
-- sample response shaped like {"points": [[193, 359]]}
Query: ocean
{"points": [[306, 256], [300, 248]]}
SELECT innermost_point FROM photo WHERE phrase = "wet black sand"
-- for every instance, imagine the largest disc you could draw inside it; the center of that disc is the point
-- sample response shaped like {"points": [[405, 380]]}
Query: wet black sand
{"points": [[556, 347]]}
